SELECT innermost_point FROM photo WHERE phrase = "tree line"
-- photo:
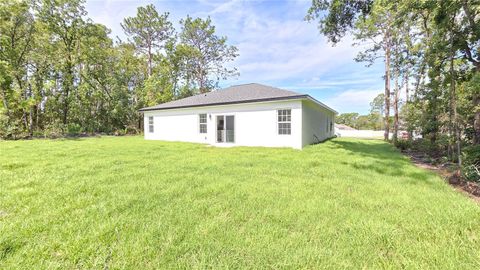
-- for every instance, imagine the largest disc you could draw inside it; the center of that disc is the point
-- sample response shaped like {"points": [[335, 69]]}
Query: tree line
{"points": [[60, 72], [371, 121], [431, 53]]}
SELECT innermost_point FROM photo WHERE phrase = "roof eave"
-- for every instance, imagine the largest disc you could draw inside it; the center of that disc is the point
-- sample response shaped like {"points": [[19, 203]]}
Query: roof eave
{"points": [[229, 103], [321, 104]]}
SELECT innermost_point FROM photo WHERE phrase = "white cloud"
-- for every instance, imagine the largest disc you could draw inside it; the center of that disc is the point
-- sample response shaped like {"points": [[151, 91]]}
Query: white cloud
{"points": [[353, 100], [112, 12], [276, 47], [282, 50], [272, 48], [228, 6]]}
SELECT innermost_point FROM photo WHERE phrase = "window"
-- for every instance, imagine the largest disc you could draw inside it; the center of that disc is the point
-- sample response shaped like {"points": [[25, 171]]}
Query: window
{"points": [[284, 122], [202, 119], [150, 124], [331, 126]]}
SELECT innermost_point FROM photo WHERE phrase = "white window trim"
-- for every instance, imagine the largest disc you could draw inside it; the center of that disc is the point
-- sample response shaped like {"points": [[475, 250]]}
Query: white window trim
{"points": [[151, 124], [200, 123], [279, 122]]}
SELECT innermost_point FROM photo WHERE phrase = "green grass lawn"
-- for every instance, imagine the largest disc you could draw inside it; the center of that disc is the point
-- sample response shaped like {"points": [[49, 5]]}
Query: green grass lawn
{"points": [[129, 203]]}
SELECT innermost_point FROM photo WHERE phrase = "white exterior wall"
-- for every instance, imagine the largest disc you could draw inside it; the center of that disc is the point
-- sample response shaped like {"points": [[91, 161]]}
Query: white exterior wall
{"points": [[316, 123], [255, 124]]}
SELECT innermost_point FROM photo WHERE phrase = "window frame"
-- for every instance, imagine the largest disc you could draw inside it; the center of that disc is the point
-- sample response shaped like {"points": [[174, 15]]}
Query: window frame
{"points": [[151, 124], [204, 124], [284, 121]]}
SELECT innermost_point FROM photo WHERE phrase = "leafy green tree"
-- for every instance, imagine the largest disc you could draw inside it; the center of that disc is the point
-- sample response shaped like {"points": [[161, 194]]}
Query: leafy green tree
{"points": [[338, 17], [129, 76], [371, 22], [207, 53], [349, 119], [16, 40], [377, 108], [149, 32], [64, 19], [61, 73], [377, 104], [435, 43]]}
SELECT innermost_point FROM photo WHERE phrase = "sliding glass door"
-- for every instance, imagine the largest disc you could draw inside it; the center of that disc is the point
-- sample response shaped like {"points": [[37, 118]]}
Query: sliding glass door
{"points": [[225, 128]]}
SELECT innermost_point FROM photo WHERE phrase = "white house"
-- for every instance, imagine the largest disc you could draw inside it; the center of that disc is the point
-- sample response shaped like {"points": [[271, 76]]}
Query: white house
{"points": [[242, 115]]}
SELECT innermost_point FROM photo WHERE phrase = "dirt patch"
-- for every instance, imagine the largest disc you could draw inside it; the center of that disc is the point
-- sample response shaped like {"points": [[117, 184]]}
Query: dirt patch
{"points": [[447, 171]]}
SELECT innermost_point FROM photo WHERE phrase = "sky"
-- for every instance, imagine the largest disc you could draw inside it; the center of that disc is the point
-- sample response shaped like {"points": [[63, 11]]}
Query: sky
{"points": [[277, 47]]}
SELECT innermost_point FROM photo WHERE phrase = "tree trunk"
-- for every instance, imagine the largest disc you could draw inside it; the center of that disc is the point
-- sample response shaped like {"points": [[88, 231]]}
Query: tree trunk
{"points": [[140, 123], [476, 104], [458, 132], [149, 63], [395, 107], [35, 116], [406, 82], [387, 85], [451, 129], [30, 119], [5, 105], [453, 102], [476, 98], [476, 122], [65, 107], [150, 56], [68, 84], [451, 121]]}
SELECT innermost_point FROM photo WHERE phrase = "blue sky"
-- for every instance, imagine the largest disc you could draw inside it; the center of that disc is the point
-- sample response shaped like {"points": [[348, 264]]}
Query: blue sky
{"points": [[276, 46]]}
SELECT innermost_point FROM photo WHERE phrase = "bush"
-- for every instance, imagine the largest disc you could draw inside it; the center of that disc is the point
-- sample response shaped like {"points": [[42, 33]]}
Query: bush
{"points": [[403, 144], [472, 172], [471, 163], [38, 133], [73, 129], [54, 130], [12, 129], [131, 130], [425, 146], [119, 132]]}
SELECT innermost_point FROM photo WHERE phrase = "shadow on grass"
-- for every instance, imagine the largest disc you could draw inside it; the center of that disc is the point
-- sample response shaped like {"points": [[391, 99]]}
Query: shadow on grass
{"points": [[368, 149], [382, 159]]}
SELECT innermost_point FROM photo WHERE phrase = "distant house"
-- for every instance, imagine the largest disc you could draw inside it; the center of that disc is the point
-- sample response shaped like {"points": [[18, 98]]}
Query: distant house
{"points": [[242, 115]]}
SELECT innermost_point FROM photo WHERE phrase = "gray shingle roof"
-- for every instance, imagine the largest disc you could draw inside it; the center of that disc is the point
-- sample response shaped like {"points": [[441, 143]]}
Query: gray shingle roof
{"points": [[244, 93]]}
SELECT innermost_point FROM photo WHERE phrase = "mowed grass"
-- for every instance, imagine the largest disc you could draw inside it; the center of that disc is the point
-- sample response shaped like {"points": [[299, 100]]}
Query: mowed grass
{"points": [[126, 202]]}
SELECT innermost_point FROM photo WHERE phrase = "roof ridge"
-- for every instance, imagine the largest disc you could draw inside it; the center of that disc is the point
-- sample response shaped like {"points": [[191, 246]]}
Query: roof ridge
{"points": [[241, 84], [264, 85]]}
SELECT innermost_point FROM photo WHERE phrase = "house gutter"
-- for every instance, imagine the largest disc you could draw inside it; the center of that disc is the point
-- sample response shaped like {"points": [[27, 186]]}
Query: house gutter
{"points": [[308, 97]]}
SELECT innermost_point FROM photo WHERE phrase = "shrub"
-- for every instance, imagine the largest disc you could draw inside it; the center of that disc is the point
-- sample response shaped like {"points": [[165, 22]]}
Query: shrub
{"points": [[423, 145], [54, 130], [471, 163], [12, 129], [403, 144], [119, 132], [74, 129], [38, 134], [471, 172], [131, 130]]}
